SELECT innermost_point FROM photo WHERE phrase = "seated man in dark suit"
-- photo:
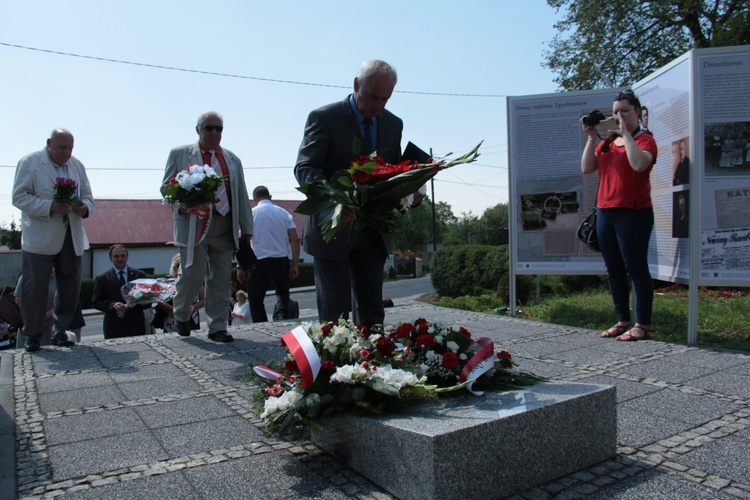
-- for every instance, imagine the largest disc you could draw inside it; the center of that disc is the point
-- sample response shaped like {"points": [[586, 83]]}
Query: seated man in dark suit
{"points": [[119, 320]]}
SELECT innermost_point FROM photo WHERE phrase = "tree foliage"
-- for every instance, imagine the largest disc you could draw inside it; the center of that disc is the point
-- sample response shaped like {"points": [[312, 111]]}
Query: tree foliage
{"points": [[414, 228], [492, 226], [10, 236], [613, 43]]}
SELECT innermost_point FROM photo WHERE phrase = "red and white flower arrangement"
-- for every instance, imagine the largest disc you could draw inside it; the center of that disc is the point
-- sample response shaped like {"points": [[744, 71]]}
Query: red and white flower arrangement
{"points": [[338, 366], [147, 291]]}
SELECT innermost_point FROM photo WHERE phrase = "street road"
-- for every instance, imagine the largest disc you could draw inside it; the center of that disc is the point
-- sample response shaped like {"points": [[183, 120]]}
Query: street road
{"points": [[402, 292]]}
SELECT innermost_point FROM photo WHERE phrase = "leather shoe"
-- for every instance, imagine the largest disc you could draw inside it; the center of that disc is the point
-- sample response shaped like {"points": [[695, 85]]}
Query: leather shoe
{"points": [[220, 336], [31, 345], [183, 327], [61, 340]]}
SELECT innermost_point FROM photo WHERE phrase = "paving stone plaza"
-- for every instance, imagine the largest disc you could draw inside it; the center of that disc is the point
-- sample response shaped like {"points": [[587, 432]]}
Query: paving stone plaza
{"points": [[163, 416]]}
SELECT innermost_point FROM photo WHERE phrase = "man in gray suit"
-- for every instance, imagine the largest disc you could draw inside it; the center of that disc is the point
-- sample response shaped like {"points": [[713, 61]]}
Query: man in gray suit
{"points": [[351, 265], [230, 221], [52, 236]]}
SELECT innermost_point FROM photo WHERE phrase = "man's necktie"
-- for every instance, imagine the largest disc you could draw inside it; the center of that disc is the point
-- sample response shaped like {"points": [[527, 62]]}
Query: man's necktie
{"points": [[122, 278], [222, 206], [369, 146]]}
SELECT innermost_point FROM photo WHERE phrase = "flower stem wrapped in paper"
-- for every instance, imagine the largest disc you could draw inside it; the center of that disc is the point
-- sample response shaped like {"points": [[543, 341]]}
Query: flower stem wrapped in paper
{"points": [[373, 189], [146, 291], [338, 366]]}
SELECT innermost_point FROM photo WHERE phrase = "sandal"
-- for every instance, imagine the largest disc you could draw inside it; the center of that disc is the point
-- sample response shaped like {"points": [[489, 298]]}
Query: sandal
{"points": [[615, 331], [638, 332]]}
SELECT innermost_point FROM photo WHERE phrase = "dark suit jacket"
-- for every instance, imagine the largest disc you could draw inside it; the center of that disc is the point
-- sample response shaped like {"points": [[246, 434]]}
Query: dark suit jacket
{"points": [[327, 146], [106, 293]]}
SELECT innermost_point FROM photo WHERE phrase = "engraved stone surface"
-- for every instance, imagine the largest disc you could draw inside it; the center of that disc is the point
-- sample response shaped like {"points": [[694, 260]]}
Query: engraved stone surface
{"points": [[492, 445]]}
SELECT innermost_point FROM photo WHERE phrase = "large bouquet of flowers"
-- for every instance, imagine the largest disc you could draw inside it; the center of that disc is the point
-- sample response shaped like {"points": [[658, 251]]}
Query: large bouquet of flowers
{"points": [[193, 187], [338, 366], [147, 291], [65, 191], [373, 189]]}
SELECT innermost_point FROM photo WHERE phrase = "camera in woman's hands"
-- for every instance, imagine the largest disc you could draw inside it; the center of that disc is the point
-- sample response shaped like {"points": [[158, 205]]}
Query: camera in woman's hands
{"points": [[593, 119]]}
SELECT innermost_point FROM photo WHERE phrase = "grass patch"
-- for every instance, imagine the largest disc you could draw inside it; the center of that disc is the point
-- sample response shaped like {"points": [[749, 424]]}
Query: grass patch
{"points": [[722, 321]]}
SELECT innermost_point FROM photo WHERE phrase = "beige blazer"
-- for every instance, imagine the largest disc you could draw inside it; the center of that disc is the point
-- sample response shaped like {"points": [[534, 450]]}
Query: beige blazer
{"points": [[242, 217], [33, 191]]}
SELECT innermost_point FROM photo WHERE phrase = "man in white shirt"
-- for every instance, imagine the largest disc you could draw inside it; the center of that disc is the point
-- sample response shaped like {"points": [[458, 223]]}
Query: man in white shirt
{"points": [[273, 231]]}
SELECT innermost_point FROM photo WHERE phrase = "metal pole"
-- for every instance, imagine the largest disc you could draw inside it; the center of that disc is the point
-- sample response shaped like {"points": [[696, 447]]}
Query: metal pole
{"points": [[434, 223]]}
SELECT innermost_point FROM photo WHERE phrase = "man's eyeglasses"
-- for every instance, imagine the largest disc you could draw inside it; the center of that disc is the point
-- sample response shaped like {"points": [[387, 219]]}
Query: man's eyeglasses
{"points": [[211, 128]]}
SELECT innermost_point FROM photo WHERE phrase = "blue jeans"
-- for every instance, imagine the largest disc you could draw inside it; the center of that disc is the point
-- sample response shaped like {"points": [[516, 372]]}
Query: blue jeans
{"points": [[623, 236]]}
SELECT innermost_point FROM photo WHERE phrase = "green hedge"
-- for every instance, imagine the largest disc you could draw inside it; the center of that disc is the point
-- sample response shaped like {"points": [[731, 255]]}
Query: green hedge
{"points": [[472, 270]]}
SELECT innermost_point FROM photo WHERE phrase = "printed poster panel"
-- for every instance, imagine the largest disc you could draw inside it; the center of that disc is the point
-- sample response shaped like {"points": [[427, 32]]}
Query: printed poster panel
{"points": [[549, 196], [665, 112], [723, 80]]}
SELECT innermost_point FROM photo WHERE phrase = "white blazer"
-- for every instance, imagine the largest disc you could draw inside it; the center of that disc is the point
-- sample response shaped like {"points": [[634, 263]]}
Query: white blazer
{"points": [[33, 191]]}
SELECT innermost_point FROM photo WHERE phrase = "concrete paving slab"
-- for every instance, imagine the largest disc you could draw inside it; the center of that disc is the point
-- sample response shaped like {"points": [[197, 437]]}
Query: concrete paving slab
{"points": [[80, 398], [85, 426], [208, 435], [80, 459]]}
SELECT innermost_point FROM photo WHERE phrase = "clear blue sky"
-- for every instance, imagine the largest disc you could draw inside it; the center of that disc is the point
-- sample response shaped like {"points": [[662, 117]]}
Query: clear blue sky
{"points": [[127, 117]]}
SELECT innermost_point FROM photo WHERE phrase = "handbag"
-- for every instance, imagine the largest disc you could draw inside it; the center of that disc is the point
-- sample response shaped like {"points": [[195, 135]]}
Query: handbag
{"points": [[9, 311], [587, 232]]}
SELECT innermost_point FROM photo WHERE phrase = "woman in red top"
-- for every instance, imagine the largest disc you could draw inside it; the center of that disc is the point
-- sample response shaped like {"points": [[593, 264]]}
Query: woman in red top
{"points": [[625, 215]]}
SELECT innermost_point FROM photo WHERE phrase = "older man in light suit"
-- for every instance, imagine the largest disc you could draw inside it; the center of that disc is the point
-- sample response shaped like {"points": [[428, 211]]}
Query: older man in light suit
{"points": [[353, 259], [231, 220], [52, 236]]}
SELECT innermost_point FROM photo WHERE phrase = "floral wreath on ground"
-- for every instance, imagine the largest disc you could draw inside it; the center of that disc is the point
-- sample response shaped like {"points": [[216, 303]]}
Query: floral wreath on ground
{"points": [[339, 366]]}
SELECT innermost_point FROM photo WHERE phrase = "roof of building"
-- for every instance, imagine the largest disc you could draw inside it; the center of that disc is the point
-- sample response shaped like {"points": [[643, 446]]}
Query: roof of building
{"points": [[141, 223]]}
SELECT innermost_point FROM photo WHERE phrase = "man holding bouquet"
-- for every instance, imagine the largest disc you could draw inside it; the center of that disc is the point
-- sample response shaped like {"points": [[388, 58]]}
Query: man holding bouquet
{"points": [[351, 264], [206, 252], [119, 319], [52, 191]]}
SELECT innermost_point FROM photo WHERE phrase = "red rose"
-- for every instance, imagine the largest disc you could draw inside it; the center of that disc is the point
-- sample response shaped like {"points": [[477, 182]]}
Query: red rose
{"points": [[328, 368], [450, 360], [364, 330], [426, 340], [364, 354], [385, 347], [403, 331], [464, 331], [326, 329], [505, 359], [290, 366]]}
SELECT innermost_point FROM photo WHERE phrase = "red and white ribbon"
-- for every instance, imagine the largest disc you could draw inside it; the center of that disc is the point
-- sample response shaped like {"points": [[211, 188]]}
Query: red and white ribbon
{"points": [[304, 353], [199, 216], [480, 363]]}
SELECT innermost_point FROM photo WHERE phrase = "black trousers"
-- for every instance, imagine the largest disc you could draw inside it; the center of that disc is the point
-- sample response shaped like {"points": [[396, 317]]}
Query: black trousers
{"points": [[265, 271]]}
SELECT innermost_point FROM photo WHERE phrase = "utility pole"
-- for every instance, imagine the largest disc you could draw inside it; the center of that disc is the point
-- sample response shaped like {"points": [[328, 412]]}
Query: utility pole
{"points": [[434, 223]]}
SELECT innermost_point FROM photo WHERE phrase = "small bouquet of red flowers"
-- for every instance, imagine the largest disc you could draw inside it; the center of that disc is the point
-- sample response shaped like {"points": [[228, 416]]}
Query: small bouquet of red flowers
{"points": [[65, 191], [193, 187], [147, 291], [374, 189]]}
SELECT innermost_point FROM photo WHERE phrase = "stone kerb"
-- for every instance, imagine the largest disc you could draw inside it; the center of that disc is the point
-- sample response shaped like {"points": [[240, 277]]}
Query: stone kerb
{"points": [[491, 446]]}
